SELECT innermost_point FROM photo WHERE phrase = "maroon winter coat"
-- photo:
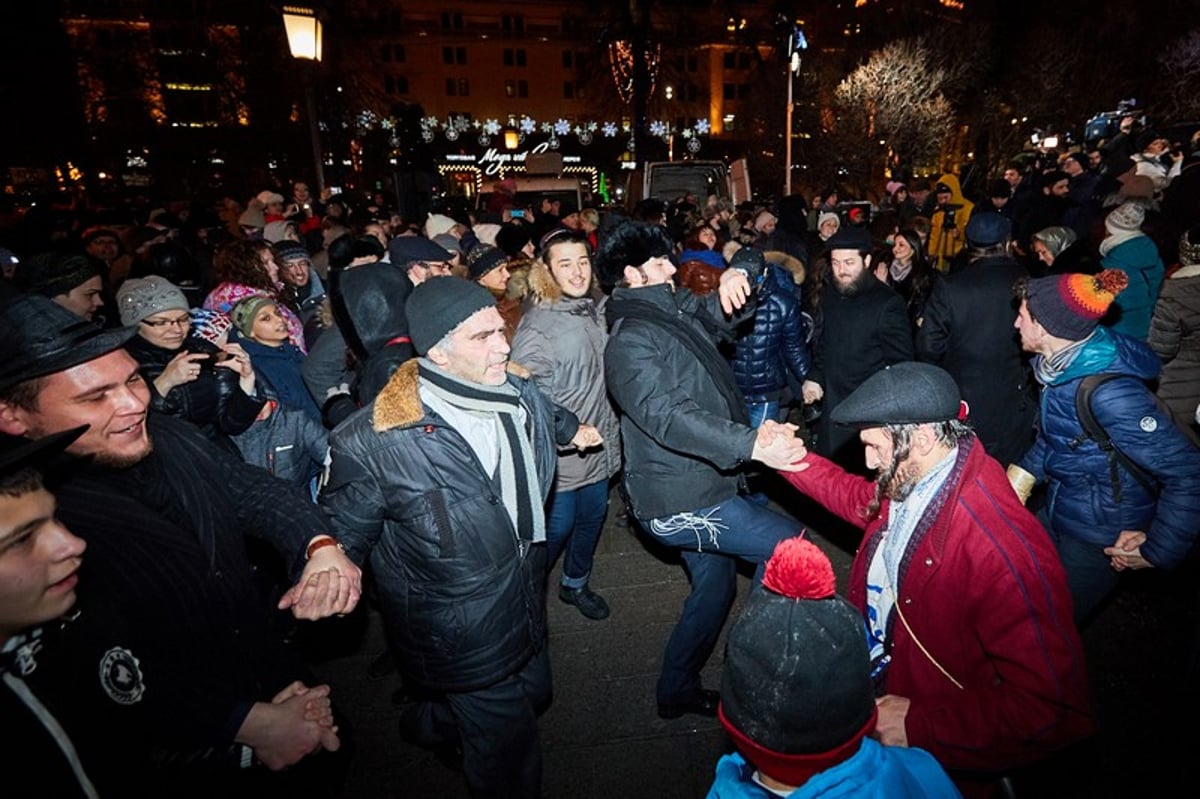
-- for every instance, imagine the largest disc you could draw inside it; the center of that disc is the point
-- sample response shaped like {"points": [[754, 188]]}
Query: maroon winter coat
{"points": [[984, 592]]}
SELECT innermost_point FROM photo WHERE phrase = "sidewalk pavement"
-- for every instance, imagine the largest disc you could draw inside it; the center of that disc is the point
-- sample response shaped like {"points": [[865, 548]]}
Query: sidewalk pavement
{"points": [[602, 738]]}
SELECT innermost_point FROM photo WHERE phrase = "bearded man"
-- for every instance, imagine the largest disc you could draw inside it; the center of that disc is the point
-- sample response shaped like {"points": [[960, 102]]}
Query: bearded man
{"points": [[975, 655], [863, 327]]}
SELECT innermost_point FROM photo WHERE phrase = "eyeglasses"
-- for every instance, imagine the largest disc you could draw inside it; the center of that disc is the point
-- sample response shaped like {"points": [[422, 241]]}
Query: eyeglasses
{"points": [[182, 322]]}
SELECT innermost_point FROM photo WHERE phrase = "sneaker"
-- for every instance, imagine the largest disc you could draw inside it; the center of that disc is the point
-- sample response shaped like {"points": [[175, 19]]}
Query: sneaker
{"points": [[590, 604]]}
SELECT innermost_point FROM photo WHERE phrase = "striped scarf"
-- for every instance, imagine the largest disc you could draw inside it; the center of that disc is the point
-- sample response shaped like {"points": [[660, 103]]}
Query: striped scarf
{"points": [[519, 485]]}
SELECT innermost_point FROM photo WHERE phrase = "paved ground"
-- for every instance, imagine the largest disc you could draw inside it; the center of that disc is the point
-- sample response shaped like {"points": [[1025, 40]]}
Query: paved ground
{"points": [[603, 740]]}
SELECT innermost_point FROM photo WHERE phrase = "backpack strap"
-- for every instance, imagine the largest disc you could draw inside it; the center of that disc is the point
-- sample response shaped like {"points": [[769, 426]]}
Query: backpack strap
{"points": [[1094, 431]]}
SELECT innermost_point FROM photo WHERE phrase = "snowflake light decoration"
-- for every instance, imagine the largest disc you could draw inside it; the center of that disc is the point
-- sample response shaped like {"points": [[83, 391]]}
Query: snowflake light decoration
{"points": [[658, 128], [702, 127], [562, 127], [528, 125], [609, 130], [547, 127], [491, 127]]}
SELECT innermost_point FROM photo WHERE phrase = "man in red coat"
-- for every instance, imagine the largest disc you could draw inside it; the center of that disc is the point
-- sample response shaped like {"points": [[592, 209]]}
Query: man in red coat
{"points": [[975, 655]]}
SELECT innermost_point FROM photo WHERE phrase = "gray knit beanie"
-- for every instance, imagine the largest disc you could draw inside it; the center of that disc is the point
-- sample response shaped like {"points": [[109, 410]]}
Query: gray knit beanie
{"points": [[140, 297]]}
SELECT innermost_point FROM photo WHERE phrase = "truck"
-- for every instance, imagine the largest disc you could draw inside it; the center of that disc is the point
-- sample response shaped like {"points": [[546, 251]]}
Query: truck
{"points": [[667, 181]]}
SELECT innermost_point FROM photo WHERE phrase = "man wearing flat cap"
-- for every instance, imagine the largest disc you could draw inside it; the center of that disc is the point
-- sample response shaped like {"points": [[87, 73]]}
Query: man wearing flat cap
{"points": [[1132, 504], [975, 657], [172, 680], [440, 482], [863, 328]]}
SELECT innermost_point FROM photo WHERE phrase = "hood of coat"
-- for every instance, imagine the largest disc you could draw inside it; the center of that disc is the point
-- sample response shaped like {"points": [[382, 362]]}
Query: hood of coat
{"points": [[784, 261], [399, 404]]}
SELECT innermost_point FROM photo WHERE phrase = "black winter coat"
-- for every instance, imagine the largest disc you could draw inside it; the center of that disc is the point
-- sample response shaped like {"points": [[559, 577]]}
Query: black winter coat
{"points": [[968, 331], [174, 641], [859, 335], [463, 600], [214, 401], [682, 450]]}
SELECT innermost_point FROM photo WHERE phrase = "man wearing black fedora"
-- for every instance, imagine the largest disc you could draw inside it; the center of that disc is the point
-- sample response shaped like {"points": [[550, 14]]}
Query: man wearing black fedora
{"points": [[974, 653], [171, 680]]}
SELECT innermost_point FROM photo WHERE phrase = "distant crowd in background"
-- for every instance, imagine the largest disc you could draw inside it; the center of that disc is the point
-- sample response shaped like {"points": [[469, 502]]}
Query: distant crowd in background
{"points": [[1047, 332]]}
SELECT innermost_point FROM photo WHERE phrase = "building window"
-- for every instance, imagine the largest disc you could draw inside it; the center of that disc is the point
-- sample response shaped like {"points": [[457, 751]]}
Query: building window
{"points": [[743, 91], [514, 57], [464, 87], [730, 122], [452, 20], [730, 60], [568, 59], [743, 61], [395, 85], [522, 88], [454, 55], [392, 52], [451, 87], [729, 91], [512, 23], [447, 55], [510, 88]]}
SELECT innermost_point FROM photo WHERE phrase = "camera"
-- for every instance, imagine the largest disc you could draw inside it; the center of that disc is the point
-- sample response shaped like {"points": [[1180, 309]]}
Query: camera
{"points": [[517, 213], [948, 214]]}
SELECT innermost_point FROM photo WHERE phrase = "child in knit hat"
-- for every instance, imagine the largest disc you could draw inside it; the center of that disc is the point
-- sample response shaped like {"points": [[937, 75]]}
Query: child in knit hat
{"points": [[797, 696], [287, 439]]}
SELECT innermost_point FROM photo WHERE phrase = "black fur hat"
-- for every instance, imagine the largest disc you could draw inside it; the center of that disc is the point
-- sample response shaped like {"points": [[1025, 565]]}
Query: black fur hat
{"points": [[629, 244]]}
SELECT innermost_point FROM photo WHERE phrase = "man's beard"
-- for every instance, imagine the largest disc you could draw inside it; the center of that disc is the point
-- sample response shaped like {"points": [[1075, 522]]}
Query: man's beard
{"points": [[855, 286], [124, 461], [897, 479]]}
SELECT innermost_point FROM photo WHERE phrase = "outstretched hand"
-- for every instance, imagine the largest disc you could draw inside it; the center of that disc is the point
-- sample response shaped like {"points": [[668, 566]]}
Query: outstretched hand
{"points": [[734, 290]]}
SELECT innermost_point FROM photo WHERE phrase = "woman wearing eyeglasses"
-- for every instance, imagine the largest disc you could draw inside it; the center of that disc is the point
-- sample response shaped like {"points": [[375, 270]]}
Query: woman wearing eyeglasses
{"points": [[208, 384]]}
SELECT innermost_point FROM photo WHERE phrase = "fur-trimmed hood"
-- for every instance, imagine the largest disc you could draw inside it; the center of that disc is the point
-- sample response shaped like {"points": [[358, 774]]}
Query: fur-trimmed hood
{"points": [[398, 404], [784, 261]]}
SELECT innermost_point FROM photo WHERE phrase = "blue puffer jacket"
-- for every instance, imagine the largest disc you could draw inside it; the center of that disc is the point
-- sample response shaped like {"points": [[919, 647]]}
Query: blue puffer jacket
{"points": [[771, 345], [1080, 499]]}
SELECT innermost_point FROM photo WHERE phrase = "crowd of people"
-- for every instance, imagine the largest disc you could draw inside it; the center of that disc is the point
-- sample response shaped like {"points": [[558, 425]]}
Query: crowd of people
{"points": [[295, 406]]}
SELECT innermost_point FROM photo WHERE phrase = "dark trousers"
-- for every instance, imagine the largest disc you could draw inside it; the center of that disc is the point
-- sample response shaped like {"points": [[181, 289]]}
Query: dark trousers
{"points": [[496, 728], [711, 541]]}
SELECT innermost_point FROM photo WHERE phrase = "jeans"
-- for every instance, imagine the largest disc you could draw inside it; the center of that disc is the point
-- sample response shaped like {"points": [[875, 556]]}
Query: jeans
{"points": [[762, 411], [711, 541], [573, 523]]}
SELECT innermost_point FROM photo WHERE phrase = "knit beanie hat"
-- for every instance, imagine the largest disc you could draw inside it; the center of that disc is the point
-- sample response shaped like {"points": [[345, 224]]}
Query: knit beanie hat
{"points": [[796, 690], [212, 326], [438, 223], [827, 216], [52, 273], [288, 250], [483, 258], [1070, 306], [1125, 218], [140, 297], [242, 315], [441, 304]]}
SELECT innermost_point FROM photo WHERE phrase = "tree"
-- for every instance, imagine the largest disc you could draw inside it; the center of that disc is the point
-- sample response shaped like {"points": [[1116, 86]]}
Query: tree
{"points": [[894, 102], [1180, 63]]}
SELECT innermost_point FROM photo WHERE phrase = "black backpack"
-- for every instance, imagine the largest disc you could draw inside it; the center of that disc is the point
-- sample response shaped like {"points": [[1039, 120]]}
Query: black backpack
{"points": [[1094, 432]]}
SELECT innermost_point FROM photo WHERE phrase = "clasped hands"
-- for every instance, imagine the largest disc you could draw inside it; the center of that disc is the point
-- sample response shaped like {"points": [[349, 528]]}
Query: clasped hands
{"points": [[1126, 553], [776, 446], [330, 585]]}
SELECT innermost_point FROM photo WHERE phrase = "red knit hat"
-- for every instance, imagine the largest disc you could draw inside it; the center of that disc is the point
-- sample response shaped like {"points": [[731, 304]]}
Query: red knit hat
{"points": [[1070, 306]]}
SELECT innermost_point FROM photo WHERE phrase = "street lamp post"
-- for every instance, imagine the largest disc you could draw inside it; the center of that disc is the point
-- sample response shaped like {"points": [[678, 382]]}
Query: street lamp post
{"points": [[796, 43], [304, 33]]}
